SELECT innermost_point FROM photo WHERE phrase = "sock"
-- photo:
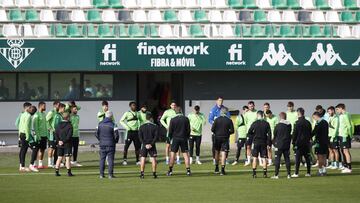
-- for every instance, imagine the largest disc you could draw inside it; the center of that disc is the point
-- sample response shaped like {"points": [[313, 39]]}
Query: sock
{"points": [[142, 173], [177, 158], [324, 169], [170, 169], [217, 166], [187, 169], [270, 161], [248, 159], [167, 158], [265, 171], [349, 165], [222, 167], [69, 170], [336, 164], [154, 173], [40, 163], [52, 161], [254, 171], [197, 158], [56, 170], [49, 161]]}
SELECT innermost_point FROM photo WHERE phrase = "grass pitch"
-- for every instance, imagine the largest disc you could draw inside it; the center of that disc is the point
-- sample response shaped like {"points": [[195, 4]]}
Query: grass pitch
{"points": [[203, 186]]}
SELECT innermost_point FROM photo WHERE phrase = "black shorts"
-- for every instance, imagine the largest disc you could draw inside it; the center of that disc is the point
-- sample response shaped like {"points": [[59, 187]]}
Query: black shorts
{"points": [[334, 145], [43, 143], [345, 144], [52, 144], [249, 140], [64, 151], [144, 152], [257, 149], [321, 149], [221, 145], [167, 140], [241, 142], [182, 144]]}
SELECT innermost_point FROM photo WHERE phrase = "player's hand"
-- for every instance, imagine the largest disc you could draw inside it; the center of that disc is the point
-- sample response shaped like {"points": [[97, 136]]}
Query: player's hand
{"points": [[61, 143], [148, 146]]}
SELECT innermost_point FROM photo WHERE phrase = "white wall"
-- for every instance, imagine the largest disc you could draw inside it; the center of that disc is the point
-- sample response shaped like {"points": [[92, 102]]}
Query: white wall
{"points": [[352, 105]]}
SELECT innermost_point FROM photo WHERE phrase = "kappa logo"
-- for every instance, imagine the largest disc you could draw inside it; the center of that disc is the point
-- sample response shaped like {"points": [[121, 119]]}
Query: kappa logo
{"points": [[321, 57], [273, 57], [236, 55], [109, 54], [357, 62], [16, 54]]}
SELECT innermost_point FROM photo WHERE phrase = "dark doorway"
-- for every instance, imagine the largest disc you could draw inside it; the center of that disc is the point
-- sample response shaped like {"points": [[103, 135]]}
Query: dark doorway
{"points": [[157, 90]]}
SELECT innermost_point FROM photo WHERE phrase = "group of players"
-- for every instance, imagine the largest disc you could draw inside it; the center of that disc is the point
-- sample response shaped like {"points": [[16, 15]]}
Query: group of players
{"points": [[260, 132], [58, 130]]}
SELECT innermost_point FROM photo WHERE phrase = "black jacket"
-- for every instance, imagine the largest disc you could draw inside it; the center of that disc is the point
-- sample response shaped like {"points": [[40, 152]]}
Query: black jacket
{"points": [[302, 133], [148, 133], [179, 127], [64, 132], [282, 135], [260, 132], [321, 133], [107, 133], [222, 127]]}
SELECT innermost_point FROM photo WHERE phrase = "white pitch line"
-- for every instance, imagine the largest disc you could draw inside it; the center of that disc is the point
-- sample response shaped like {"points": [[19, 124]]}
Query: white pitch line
{"points": [[136, 172]]}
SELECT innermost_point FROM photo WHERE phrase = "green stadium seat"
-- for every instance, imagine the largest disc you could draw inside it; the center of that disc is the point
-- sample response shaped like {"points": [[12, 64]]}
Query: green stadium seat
{"points": [[31, 15], [347, 17], [151, 31], [15, 15], [94, 16], [105, 31], [235, 4], [322, 4], [249, 4], [89, 30], [287, 31], [269, 30], [73, 31], [237, 30], [298, 30], [116, 4], [257, 30], [57, 30], [121, 31], [328, 31], [351, 4], [200, 16], [260, 16], [279, 4], [135, 31], [101, 3], [170, 16], [358, 16], [196, 31], [313, 31], [293, 4], [246, 31]]}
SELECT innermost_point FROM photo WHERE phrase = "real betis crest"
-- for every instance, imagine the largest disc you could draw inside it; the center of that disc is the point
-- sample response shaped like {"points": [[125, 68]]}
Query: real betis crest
{"points": [[15, 54]]}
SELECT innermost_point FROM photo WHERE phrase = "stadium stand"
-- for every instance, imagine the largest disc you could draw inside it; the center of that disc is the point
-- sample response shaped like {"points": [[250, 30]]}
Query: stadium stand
{"points": [[179, 18]]}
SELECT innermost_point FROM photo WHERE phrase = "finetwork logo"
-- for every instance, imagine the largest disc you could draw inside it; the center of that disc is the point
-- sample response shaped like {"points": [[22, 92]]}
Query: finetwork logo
{"points": [[236, 55], [109, 55], [15, 54]]}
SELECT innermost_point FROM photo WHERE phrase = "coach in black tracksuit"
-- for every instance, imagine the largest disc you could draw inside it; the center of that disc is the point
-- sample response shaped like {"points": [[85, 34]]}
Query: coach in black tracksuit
{"points": [[321, 133], [282, 142], [179, 134], [222, 128], [301, 141], [148, 135], [260, 132]]}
